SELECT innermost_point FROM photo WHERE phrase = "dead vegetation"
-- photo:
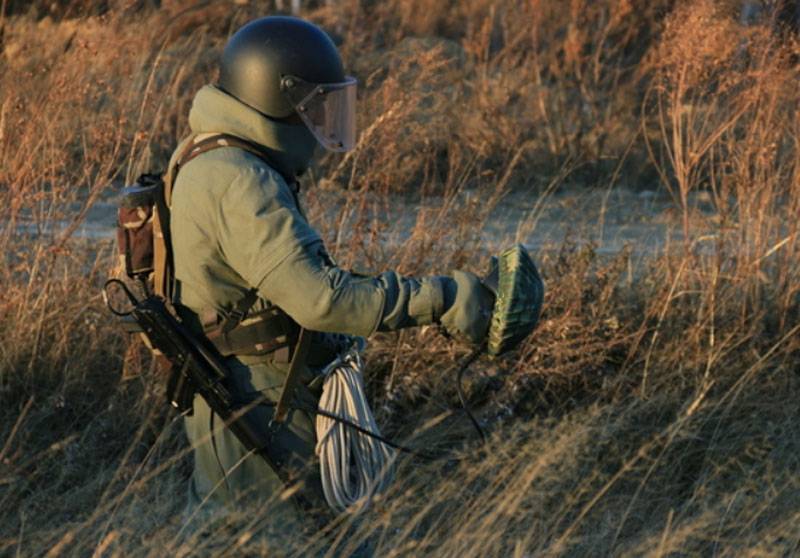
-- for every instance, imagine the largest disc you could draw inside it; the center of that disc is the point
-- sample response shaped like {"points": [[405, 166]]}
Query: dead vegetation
{"points": [[655, 410]]}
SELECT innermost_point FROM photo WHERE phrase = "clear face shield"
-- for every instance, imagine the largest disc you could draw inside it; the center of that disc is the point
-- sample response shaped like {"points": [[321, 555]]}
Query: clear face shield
{"points": [[327, 109]]}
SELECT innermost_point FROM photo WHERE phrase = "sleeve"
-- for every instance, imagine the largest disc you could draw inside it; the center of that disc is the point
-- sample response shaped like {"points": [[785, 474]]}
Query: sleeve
{"points": [[323, 297], [266, 240], [259, 225]]}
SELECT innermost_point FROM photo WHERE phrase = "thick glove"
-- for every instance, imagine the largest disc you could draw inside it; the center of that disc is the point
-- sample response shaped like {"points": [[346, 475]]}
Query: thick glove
{"points": [[468, 308]]}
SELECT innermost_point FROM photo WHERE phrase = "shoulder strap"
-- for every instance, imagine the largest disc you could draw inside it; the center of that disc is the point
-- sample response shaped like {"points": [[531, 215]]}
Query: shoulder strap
{"points": [[203, 144], [163, 273]]}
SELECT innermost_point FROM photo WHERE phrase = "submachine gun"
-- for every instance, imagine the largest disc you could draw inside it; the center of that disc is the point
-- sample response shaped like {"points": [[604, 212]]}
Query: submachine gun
{"points": [[198, 368]]}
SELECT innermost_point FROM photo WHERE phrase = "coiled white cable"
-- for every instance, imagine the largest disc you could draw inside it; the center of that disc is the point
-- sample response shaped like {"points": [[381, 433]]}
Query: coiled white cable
{"points": [[354, 466]]}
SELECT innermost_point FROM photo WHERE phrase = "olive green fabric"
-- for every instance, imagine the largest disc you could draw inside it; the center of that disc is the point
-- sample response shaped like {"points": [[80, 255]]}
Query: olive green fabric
{"points": [[467, 317], [235, 225], [290, 146], [247, 479]]}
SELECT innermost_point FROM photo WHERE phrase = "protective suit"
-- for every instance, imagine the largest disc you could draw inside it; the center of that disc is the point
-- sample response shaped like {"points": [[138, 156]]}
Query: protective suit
{"points": [[236, 225]]}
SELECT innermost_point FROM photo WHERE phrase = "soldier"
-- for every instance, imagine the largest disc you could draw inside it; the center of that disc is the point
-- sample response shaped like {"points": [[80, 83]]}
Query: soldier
{"points": [[242, 246]]}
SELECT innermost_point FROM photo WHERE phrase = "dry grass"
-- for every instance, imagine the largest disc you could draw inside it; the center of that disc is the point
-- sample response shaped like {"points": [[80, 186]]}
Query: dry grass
{"points": [[655, 410]]}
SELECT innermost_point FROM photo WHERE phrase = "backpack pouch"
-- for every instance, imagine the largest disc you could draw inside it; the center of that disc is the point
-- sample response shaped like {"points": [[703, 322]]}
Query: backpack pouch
{"points": [[135, 226]]}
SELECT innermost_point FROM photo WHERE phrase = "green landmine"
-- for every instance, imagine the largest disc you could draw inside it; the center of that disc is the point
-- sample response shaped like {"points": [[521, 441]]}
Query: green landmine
{"points": [[519, 292]]}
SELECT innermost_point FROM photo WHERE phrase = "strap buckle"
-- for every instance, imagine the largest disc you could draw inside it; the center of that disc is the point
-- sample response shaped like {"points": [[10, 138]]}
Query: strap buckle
{"points": [[232, 319], [235, 315]]}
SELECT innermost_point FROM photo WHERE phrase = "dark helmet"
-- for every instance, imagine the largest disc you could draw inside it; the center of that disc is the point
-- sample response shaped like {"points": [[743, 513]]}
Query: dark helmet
{"points": [[283, 65]]}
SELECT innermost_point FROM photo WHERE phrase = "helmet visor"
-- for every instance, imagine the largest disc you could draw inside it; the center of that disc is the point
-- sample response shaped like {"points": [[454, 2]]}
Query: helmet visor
{"points": [[327, 109]]}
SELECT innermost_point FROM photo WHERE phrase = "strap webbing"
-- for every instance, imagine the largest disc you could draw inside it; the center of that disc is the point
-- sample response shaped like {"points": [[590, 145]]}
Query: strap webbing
{"points": [[163, 271], [240, 309], [292, 377]]}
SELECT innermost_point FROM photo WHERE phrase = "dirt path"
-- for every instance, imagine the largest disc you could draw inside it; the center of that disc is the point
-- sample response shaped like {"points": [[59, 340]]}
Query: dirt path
{"points": [[644, 221]]}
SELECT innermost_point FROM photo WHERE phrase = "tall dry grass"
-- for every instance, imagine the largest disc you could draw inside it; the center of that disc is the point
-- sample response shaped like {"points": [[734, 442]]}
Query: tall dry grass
{"points": [[653, 412]]}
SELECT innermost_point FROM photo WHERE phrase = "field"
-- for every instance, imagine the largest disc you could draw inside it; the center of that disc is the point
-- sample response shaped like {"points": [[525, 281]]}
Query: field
{"points": [[653, 412]]}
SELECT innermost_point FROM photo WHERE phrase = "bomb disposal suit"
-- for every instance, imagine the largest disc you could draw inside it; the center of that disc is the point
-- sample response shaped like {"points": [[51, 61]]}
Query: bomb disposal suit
{"points": [[238, 232]]}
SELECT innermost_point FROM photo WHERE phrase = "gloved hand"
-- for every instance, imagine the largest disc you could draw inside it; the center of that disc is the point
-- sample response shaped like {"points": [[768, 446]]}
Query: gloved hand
{"points": [[468, 307]]}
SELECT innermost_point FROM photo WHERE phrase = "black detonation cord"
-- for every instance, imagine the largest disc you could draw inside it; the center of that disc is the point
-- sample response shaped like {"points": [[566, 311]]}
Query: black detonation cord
{"points": [[473, 356], [415, 453]]}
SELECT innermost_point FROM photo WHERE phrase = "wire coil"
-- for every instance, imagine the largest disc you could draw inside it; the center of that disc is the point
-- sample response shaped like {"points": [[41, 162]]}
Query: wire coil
{"points": [[354, 466]]}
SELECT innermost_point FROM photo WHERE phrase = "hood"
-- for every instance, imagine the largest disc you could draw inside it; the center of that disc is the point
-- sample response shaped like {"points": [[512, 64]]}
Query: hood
{"points": [[290, 146]]}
